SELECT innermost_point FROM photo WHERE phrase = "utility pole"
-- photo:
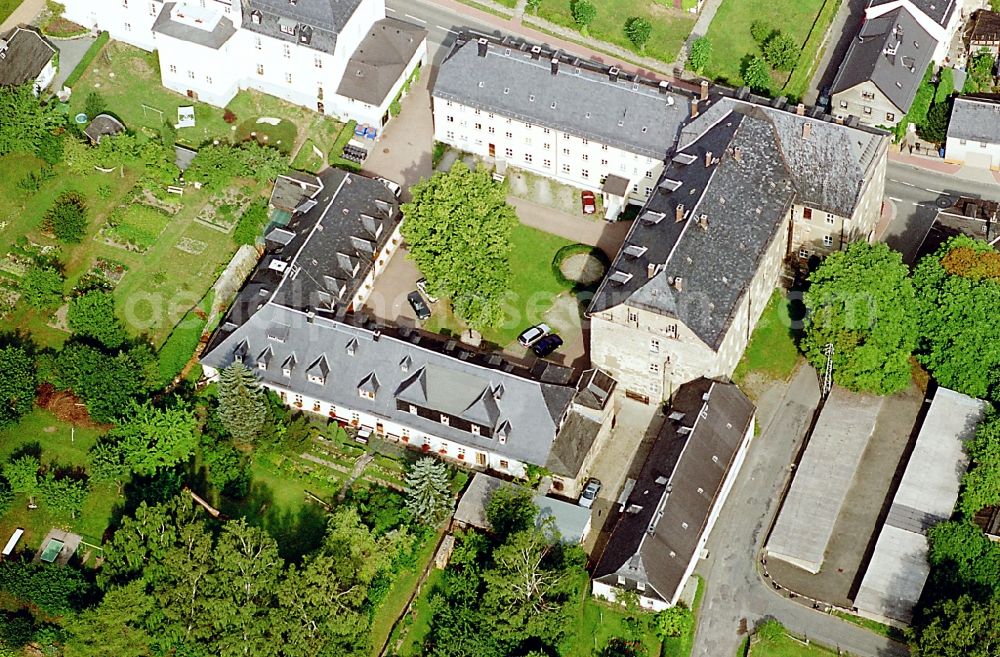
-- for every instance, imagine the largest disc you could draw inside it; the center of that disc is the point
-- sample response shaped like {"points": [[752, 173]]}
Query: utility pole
{"points": [[828, 374]]}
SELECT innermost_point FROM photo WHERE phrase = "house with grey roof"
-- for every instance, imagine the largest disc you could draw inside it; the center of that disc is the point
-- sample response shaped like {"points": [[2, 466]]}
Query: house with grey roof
{"points": [[293, 324], [748, 186], [974, 132], [579, 122], [26, 57], [342, 58], [883, 69], [664, 522]]}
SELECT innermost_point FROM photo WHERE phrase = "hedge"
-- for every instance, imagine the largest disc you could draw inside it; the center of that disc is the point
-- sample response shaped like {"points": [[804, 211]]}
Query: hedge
{"points": [[88, 57], [571, 250]]}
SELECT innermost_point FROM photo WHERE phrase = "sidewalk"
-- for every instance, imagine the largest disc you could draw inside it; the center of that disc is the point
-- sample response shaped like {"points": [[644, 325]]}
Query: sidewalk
{"points": [[24, 14], [523, 24], [939, 165]]}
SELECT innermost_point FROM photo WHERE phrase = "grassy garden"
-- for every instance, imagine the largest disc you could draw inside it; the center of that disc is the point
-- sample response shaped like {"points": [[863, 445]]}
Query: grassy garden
{"points": [[772, 352], [533, 287], [804, 21], [670, 26], [7, 8]]}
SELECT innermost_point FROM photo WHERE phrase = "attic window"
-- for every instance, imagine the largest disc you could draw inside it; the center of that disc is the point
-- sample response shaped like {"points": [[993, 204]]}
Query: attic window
{"points": [[644, 129], [661, 480], [531, 98], [481, 83], [587, 115], [634, 250], [506, 90], [684, 525], [255, 17], [620, 277], [620, 123], [286, 27], [552, 106], [633, 508]]}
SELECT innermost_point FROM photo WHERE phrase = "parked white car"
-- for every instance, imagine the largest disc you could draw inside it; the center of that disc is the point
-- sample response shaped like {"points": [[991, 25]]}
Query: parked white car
{"points": [[589, 493], [534, 334]]}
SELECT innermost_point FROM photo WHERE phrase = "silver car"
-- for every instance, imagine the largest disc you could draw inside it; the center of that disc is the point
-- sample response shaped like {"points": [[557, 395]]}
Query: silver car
{"points": [[589, 493], [534, 334]]}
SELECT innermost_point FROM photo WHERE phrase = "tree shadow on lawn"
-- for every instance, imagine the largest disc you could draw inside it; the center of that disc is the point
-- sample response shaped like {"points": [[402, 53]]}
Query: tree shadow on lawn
{"points": [[298, 530]]}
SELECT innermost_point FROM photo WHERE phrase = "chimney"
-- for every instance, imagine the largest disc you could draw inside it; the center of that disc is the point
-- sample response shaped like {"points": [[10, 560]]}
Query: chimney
{"points": [[694, 107], [664, 87], [679, 213], [613, 74], [800, 109], [483, 45], [704, 89], [376, 334], [806, 130], [678, 283], [555, 65], [310, 317], [839, 120], [738, 154], [650, 270], [703, 222], [708, 159], [536, 51]]}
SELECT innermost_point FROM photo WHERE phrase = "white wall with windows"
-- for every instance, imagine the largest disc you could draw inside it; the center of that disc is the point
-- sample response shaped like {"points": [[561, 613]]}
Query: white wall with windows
{"points": [[549, 152]]}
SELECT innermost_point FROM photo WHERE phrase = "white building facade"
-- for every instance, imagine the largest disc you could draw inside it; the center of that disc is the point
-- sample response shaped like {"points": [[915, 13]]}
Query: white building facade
{"points": [[297, 51]]}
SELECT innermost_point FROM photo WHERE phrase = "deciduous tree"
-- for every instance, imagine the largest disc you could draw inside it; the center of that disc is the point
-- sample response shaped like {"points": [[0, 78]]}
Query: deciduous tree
{"points": [[638, 30], [781, 52], [17, 385], [510, 510], [22, 473], [862, 302], [93, 315], [584, 12], [458, 226], [242, 406], [761, 31], [700, 54], [756, 74], [964, 627], [25, 121], [106, 382], [675, 621], [114, 627], [428, 495], [153, 438], [42, 287]]}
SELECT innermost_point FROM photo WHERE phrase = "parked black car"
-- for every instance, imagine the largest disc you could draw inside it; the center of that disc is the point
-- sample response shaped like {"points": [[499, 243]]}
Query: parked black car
{"points": [[547, 345], [419, 305]]}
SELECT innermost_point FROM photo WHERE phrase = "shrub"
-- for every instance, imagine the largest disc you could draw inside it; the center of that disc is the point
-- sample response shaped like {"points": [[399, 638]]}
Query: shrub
{"points": [[42, 287], [756, 75], [67, 218], [638, 30], [94, 104], [584, 13], [761, 31], [700, 54], [781, 52], [229, 117], [251, 224]]}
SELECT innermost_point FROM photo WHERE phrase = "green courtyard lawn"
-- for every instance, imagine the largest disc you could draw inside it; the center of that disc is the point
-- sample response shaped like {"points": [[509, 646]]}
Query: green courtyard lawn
{"points": [[729, 33], [597, 623], [7, 8], [786, 646], [67, 446], [129, 80], [671, 26], [533, 287], [772, 352]]}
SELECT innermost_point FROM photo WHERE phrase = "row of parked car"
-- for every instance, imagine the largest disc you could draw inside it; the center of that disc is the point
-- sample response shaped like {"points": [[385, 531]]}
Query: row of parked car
{"points": [[540, 339]]}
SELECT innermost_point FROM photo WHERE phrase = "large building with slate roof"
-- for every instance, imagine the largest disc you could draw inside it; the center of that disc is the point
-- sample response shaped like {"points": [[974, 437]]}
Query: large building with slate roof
{"points": [[886, 62], [665, 521], [26, 57], [974, 132], [549, 112], [748, 186], [292, 323], [303, 51]]}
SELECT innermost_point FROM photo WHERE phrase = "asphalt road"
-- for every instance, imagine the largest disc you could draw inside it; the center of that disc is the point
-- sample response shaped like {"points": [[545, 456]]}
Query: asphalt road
{"points": [[441, 24], [917, 195]]}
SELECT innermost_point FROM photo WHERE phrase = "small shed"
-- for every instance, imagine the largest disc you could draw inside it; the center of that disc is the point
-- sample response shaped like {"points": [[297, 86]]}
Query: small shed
{"points": [[103, 125], [183, 157]]}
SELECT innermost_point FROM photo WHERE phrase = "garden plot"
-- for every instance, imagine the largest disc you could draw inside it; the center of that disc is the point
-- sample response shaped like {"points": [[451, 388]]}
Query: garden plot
{"points": [[104, 273], [135, 227], [192, 246], [224, 210]]}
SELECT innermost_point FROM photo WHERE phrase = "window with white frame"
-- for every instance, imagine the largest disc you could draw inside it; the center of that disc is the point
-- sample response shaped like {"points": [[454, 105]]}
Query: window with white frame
{"points": [[413, 409], [654, 368], [260, 69], [286, 29], [633, 316], [445, 420], [509, 152], [288, 78], [191, 75], [258, 43], [475, 429], [450, 134], [173, 68], [298, 400], [449, 119], [477, 126], [803, 253], [288, 51], [565, 168], [585, 157], [584, 173], [654, 345], [565, 151], [318, 61], [504, 464], [492, 130], [546, 163], [509, 135], [527, 157], [827, 240]]}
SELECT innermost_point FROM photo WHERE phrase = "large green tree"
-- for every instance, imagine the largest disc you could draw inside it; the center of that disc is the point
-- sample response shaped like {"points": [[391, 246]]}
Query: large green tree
{"points": [[964, 627], [114, 627], [756, 74], [781, 52], [458, 226], [242, 404], [638, 30], [510, 510], [67, 218], [428, 495], [151, 438], [981, 484], [17, 385], [105, 381], [584, 12], [42, 287], [700, 54], [957, 293], [22, 473], [26, 123], [92, 314], [862, 302]]}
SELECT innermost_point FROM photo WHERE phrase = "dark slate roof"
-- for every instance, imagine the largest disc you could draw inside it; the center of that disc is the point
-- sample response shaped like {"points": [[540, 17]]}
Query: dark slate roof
{"points": [[214, 38], [103, 125], [975, 119], [984, 27], [698, 268], [679, 483], [576, 437], [829, 168], [939, 11], [380, 60], [318, 261], [595, 389], [581, 99], [292, 188], [356, 357], [26, 54], [318, 21], [897, 75]]}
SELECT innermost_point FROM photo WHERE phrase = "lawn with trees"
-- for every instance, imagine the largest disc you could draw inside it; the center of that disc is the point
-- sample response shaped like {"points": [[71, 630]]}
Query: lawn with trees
{"points": [[655, 29]]}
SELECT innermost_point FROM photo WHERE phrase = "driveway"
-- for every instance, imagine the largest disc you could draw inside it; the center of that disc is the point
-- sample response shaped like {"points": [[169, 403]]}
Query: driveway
{"points": [[71, 52], [387, 301]]}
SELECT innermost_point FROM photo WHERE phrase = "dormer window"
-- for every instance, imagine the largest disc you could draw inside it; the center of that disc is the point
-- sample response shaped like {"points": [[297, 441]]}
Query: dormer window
{"points": [[445, 420], [255, 17], [314, 378], [475, 429], [286, 26], [305, 34], [413, 409]]}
